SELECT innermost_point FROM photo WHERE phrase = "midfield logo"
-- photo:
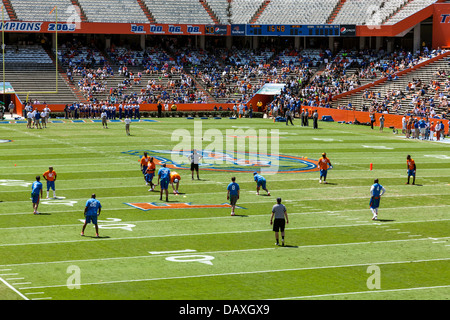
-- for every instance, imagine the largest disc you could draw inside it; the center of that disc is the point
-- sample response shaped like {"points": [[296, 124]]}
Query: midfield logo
{"points": [[179, 205], [231, 162]]}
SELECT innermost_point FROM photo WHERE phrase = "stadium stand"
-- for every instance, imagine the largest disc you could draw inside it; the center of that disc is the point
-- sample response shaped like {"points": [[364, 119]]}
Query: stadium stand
{"points": [[362, 11], [190, 73], [222, 10], [121, 11], [308, 12], [396, 95], [39, 10], [6, 12], [372, 12], [242, 11], [409, 9], [31, 69], [178, 11]]}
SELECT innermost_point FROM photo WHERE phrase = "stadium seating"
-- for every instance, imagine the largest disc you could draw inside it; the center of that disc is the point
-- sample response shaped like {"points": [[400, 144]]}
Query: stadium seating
{"points": [[424, 74], [178, 11], [242, 11], [222, 10], [297, 12], [39, 10], [25, 55], [360, 12], [31, 69], [5, 13], [410, 8], [370, 12], [119, 11]]}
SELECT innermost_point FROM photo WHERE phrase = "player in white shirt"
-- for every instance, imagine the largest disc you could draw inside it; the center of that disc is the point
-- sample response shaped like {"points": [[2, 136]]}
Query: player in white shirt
{"points": [[104, 117], [194, 158], [127, 125]]}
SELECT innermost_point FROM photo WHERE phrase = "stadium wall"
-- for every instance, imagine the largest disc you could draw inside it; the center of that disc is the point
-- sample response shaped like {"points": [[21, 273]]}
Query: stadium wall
{"points": [[338, 115], [391, 120], [143, 107]]}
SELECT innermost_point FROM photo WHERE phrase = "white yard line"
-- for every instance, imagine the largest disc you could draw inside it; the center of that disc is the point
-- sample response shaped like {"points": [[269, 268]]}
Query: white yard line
{"points": [[14, 289]]}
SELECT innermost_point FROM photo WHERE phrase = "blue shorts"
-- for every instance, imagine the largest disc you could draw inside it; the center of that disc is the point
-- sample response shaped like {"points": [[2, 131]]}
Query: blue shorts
{"points": [[35, 198], [144, 169], [51, 184], [149, 177], [261, 183], [323, 173], [91, 219], [411, 173], [164, 184], [375, 202]]}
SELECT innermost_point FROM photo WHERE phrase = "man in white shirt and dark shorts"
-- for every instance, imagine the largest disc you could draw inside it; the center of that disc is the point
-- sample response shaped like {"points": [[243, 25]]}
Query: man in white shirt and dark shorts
{"points": [[281, 218], [194, 157]]}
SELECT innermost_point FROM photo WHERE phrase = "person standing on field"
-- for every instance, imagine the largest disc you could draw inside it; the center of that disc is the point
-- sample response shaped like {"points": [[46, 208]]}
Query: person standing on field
{"points": [[50, 177], [104, 117], [36, 193], [315, 119], [233, 192], [91, 212], [164, 181], [279, 212], [127, 124], [381, 122], [411, 164], [194, 158], [324, 165], [376, 191], [11, 109]]}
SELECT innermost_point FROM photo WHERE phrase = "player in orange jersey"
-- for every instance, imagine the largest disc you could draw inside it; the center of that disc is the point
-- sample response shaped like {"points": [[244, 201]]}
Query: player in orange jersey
{"points": [[144, 164], [50, 177], [175, 178], [411, 168], [150, 173], [323, 166]]}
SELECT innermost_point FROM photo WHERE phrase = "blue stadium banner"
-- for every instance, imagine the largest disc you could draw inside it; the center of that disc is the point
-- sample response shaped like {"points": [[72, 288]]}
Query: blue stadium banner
{"points": [[238, 30], [305, 30], [348, 30]]}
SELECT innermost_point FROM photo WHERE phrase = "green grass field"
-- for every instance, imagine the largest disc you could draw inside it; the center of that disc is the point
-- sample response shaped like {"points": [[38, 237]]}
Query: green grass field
{"points": [[333, 248]]}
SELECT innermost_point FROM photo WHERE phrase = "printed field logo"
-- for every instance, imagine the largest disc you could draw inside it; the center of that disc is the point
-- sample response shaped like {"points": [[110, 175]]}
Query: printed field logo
{"points": [[235, 162], [229, 150], [183, 205]]}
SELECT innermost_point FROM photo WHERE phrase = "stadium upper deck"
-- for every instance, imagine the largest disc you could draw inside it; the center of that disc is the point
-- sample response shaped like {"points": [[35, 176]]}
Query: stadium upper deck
{"points": [[359, 12]]}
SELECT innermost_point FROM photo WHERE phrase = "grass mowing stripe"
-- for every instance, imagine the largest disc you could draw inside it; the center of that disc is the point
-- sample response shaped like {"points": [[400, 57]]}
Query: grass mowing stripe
{"points": [[359, 292], [201, 234], [312, 206], [14, 289], [271, 201], [240, 273], [307, 212]]}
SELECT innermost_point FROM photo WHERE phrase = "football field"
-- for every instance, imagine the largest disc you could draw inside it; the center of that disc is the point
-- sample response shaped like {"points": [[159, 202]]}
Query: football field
{"points": [[191, 248]]}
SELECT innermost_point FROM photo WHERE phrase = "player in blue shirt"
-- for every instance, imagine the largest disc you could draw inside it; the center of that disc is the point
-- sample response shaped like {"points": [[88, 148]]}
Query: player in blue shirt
{"points": [[260, 183], [36, 194], [376, 191], [164, 178], [91, 212], [233, 193]]}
